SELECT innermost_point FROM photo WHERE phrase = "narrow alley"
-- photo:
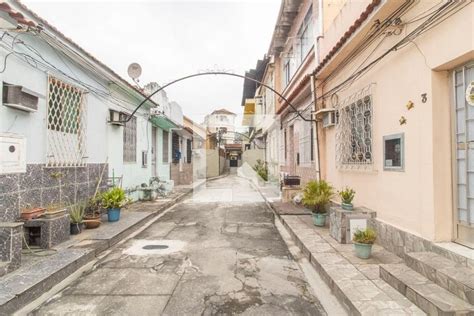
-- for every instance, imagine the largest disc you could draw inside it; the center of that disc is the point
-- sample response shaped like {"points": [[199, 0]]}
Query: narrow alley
{"points": [[224, 256]]}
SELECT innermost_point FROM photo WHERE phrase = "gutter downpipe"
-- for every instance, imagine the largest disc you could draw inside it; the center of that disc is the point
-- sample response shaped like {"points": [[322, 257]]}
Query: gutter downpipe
{"points": [[316, 133]]}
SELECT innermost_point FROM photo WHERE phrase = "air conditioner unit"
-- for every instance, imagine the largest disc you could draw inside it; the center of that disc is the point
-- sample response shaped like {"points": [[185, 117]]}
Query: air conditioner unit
{"points": [[20, 98], [327, 116], [329, 119], [116, 117], [258, 101]]}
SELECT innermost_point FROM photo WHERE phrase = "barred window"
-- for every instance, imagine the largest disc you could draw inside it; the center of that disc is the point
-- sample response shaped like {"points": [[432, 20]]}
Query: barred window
{"points": [[166, 139], [189, 153], [130, 141], [66, 124], [354, 133]]}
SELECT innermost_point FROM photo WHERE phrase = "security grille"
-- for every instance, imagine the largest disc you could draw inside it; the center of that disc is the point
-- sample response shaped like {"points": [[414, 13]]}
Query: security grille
{"points": [[354, 131], [66, 131], [130, 140]]}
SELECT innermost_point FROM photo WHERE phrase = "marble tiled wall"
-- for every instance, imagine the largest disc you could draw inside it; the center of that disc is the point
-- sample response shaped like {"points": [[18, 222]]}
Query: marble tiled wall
{"points": [[400, 242], [38, 187]]}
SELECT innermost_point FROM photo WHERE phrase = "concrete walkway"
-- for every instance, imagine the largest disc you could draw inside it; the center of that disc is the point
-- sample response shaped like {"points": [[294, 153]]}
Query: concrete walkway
{"points": [[217, 252]]}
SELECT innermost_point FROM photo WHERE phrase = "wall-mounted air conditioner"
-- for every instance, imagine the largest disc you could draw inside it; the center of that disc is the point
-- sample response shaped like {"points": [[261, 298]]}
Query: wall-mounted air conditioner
{"points": [[259, 101], [20, 98], [327, 116], [116, 117]]}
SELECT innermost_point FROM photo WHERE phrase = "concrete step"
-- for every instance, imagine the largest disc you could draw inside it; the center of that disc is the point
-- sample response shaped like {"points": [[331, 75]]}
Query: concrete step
{"points": [[452, 276], [430, 297]]}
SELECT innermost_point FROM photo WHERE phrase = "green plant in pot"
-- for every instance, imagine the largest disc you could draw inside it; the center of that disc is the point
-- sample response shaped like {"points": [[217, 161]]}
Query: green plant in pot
{"points": [[347, 195], [363, 241], [113, 200], [316, 197], [76, 217], [92, 213]]}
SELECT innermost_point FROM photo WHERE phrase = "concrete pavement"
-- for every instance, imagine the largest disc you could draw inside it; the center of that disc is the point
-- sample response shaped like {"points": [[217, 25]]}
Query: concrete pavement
{"points": [[217, 252]]}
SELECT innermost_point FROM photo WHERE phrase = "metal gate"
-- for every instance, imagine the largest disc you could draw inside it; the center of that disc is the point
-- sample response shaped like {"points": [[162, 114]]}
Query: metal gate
{"points": [[464, 146]]}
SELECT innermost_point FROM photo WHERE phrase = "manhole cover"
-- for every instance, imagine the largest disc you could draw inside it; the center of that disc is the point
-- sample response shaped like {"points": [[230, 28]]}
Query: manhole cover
{"points": [[153, 247], [146, 247]]}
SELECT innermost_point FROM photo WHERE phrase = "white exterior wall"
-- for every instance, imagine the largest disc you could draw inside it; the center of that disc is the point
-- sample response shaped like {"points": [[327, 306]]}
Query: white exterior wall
{"points": [[33, 125]]}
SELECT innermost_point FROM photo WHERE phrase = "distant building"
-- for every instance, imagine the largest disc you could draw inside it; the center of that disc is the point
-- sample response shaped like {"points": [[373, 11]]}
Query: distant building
{"points": [[222, 121]]}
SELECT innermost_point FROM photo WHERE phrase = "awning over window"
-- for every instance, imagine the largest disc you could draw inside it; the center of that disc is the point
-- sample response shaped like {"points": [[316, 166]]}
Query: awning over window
{"points": [[249, 112], [163, 122]]}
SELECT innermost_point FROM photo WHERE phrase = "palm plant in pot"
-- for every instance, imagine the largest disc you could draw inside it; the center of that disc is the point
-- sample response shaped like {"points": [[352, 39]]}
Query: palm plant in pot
{"points": [[363, 241], [317, 196], [347, 195], [76, 216], [113, 200]]}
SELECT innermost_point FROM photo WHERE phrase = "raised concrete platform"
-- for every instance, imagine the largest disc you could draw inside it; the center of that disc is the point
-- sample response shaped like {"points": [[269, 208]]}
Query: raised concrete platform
{"points": [[430, 297], [454, 277], [355, 282]]}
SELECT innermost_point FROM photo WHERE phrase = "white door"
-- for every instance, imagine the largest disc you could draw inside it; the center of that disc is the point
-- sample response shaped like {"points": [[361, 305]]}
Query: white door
{"points": [[464, 137]]}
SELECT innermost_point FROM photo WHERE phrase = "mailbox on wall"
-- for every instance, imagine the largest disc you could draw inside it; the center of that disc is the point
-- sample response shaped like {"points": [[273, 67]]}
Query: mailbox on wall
{"points": [[12, 153]]}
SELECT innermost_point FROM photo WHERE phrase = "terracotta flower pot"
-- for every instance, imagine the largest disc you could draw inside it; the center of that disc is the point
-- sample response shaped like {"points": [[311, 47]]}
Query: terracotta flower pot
{"points": [[32, 213], [91, 221]]}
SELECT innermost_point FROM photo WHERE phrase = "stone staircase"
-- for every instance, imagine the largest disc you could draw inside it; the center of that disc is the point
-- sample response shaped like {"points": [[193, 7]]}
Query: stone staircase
{"points": [[437, 285]]}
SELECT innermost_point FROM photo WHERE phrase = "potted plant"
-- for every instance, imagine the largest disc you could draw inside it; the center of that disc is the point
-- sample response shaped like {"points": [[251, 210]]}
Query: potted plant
{"points": [[92, 214], [76, 215], [30, 213], [317, 196], [54, 210], [347, 195], [113, 200], [363, 241]]}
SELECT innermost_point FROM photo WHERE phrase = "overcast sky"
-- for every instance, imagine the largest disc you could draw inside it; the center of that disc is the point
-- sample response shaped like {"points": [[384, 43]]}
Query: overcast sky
{"points": [[170, 39]]}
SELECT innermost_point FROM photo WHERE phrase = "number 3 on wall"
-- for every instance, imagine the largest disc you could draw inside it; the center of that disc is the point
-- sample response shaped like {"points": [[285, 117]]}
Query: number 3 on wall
{"points": [[470, 93]]}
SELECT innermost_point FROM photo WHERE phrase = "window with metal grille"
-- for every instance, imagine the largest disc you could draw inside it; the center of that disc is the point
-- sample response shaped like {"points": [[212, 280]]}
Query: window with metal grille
{"points": [[305, 142], [354, 132], [189, 150], [166, 147], [66, 124], [130, 140], [175, 148]]}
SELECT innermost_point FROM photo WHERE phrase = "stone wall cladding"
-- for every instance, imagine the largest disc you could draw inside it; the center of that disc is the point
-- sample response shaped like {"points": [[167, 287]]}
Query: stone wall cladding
{"points": [[38, 187], [400, 242]]}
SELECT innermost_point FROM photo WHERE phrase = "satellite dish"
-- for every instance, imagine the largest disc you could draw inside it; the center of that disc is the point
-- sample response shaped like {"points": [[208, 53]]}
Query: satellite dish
{"points": [[134, 71]]}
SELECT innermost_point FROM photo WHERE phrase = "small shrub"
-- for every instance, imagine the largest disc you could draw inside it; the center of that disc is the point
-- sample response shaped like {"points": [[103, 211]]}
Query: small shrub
{"points": [[261, 169], [366, 236], [347, 195], [76, 213], [317, 195], [114, 198]]}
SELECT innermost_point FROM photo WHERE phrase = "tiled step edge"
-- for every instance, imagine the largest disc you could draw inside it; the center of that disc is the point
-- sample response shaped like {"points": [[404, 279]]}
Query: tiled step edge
{"points": [[451, 276], [347, 283], [428, 296]]}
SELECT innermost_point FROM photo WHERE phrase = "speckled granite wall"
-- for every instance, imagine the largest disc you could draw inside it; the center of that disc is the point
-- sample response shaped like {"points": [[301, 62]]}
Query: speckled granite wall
{"points": [[38, 187]]}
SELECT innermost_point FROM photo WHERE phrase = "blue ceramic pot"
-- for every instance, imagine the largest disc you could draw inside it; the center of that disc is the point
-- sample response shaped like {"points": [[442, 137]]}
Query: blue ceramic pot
{"points": [[319, 219], [362, 251], [347, 206], [113, 214]]}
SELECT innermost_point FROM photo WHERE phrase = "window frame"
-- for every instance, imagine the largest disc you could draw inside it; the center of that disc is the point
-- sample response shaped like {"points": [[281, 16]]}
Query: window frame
{"points": [[400, 136], [165, 154], [127, 152]]}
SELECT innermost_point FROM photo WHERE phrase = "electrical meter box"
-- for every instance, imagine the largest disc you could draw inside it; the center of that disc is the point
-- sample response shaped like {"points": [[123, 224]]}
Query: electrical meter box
{"points": [[12, 153]]}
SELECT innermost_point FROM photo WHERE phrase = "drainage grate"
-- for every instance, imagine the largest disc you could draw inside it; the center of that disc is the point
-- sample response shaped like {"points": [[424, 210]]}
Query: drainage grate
{"points": [[153, 247]]}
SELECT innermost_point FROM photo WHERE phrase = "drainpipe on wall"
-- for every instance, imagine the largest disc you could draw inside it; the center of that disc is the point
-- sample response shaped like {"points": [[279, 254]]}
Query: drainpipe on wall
{"points": [[316, 133]]}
